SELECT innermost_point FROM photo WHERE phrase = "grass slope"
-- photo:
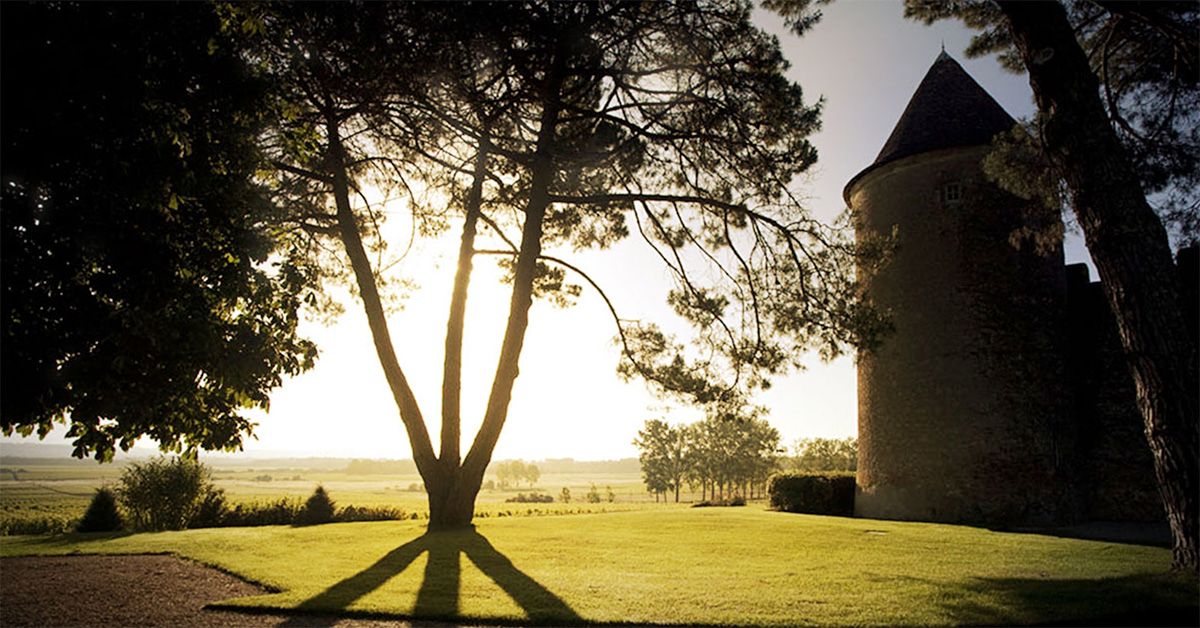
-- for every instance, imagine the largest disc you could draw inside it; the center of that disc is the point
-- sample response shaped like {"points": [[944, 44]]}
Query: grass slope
{"points": [[675, 566]]}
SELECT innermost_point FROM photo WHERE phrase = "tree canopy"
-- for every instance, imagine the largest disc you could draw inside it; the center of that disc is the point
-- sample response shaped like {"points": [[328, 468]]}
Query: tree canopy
{"points": [[547, 128], [144, 292]]}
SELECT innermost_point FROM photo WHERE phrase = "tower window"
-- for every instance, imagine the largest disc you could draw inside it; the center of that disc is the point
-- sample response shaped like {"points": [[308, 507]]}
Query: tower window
{"points": [[952, 193]]}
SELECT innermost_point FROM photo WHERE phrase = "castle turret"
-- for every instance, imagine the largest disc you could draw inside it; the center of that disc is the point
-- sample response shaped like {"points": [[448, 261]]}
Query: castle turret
{"points": [[962, 411]]}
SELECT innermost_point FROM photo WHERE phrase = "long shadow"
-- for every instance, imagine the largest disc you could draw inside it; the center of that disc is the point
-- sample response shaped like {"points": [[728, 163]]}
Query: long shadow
{"points": [[438, 597], [1151, 599]]}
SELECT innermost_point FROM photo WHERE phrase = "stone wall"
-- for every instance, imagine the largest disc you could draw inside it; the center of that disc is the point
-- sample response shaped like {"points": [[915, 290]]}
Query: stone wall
{"points": [[963, 415]]}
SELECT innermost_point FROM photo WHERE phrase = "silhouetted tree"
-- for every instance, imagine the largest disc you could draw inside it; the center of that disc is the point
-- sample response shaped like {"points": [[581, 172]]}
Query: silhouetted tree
{"points": [[143, 290], [565, 122], [1107, 131]]}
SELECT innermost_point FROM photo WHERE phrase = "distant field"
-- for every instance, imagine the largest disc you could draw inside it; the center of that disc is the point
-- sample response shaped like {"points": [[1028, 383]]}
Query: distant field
{"points": [[61, 492], [669, 565]]}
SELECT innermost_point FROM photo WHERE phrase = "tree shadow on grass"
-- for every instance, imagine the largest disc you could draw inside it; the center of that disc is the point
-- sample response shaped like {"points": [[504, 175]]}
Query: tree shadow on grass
{"points": [[438, 597], [1158, 599]]}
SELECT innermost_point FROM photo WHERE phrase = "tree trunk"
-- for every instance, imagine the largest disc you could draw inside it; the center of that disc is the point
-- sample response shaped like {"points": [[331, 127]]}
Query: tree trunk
{"points": [[406, 402], [451, 500], [1130, 247], [452, 362], [507, 367]]}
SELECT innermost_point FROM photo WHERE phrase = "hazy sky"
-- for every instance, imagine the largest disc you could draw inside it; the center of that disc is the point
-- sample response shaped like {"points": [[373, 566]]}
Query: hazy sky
{"points": [[866, 61]]}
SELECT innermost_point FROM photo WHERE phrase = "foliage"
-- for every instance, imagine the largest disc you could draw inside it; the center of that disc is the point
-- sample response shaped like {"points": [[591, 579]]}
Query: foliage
{"points": [[102, 514], [565, 495], [825, 454], [372, 513], [664, 452], [144, 290], [282, 511], [515, 471], [813, 493], [319, 508], [532, 498], [545, 128], [737, 500], [593, 496], [682, 567], [1148, 61], [732, 452], [164, 493]]}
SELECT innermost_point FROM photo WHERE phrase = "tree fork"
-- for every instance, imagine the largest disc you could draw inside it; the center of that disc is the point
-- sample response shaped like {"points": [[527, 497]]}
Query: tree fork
{"points": [[1129, 245]]}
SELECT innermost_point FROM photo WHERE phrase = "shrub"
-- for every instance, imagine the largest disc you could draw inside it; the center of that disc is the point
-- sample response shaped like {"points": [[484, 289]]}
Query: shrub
{"points": [[282, 511], [829, 493], [609, 495], [102, 514], [733, 501], [211, 511], [565, 495], [532, 498], [593, 496], [370, 513], [318, 509], [163, 493]]}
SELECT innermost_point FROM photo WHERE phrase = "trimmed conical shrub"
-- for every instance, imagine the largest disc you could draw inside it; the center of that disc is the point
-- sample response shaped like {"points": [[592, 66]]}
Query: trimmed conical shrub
{"points": [[102, 514], [318, 509]]}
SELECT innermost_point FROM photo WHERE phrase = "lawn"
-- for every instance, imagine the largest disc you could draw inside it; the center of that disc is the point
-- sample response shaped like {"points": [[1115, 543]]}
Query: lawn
{"points": [[680, 566]]}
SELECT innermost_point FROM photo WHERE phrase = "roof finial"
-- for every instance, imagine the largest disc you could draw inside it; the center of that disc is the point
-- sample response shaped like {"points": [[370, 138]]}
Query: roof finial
{"points": [[943, 45]]}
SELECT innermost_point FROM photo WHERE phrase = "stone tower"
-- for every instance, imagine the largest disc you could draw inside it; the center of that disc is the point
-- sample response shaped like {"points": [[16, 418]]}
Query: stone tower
{"points": [[963, 411]]}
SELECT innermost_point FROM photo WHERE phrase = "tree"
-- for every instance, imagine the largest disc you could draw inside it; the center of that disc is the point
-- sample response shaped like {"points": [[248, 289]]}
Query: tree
{"points": [[564, 123], [532, 474], [143, 290], [1105, 180], [664, 455], [825, 454]]}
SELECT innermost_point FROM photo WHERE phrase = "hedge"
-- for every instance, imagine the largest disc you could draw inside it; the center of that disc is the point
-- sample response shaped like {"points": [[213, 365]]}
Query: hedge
{"points": [[815, 493]]}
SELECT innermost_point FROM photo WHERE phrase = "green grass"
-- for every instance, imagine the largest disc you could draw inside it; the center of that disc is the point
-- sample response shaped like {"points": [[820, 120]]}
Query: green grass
{"points": [[674, 565]]}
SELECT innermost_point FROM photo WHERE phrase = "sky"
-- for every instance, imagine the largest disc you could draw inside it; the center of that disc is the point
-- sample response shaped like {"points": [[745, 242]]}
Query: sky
{"points": [[863, 58]]}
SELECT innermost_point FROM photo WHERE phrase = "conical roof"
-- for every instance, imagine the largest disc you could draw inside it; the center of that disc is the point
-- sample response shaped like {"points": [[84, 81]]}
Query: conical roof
{"points": [[948, 109]]}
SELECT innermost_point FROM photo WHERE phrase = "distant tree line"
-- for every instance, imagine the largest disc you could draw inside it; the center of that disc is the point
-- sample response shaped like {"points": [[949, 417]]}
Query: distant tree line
{"points": [[513, 472], [723, 455], [825, 454]]}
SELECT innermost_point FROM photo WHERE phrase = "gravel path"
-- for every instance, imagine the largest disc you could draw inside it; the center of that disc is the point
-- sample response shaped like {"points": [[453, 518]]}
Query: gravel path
{"points": [[135, 591]]}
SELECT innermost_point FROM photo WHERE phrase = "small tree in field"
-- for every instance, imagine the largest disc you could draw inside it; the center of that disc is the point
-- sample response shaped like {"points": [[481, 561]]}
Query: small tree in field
{"points": [[102, 514], [318, 509]]}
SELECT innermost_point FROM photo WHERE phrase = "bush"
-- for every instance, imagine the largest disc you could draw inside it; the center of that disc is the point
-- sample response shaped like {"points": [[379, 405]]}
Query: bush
{"points": [[829, 493], [282, 511], [532, 498], [733, 501], [565, 495], [370, 513], [593, 496], [212, 510], [102, 514], [318, 509], [164, 493]]}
